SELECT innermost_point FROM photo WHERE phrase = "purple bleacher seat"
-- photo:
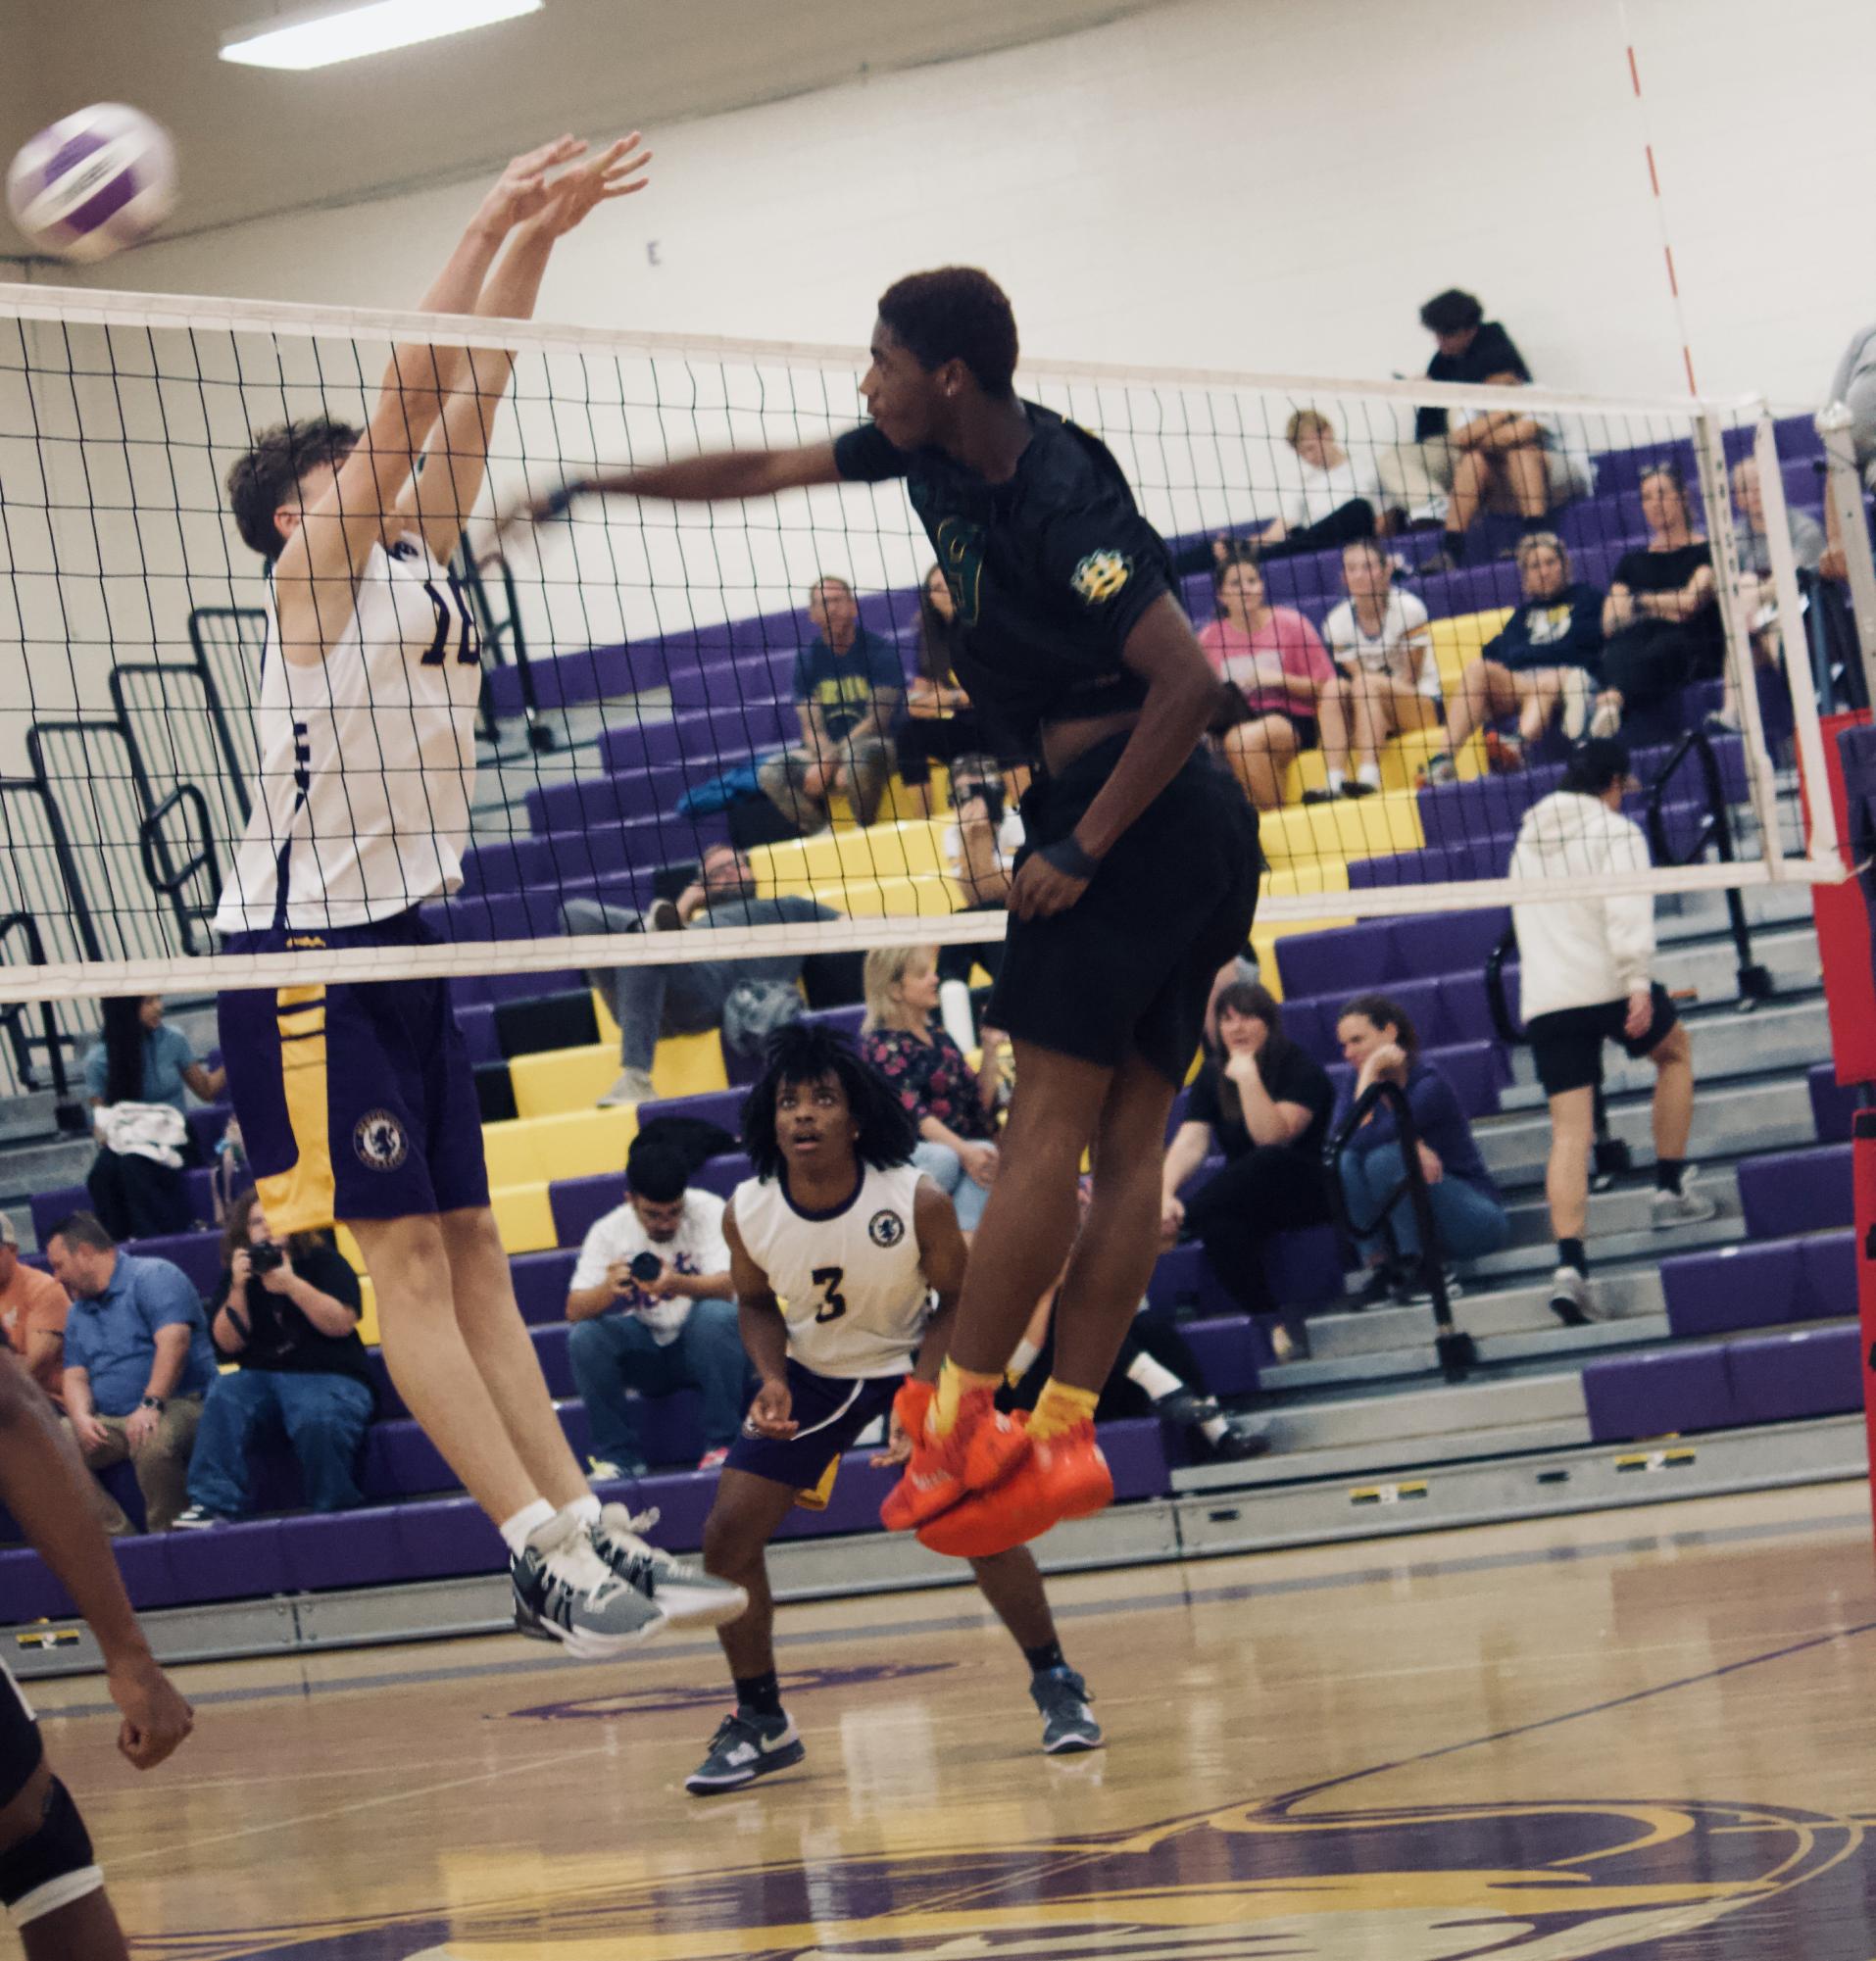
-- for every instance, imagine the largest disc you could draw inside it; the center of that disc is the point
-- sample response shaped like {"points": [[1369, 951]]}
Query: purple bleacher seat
{"points": [[552, 860], [1226, 1347], [568, 679], [401, 1462], [1807, 1372], [324, 1551], [854, 1505], [1136, 1453], [550, 1350], [198, 1254], [1658, 1395], [1622, 470], [1476, 1070], [149, 1577], [1828, 1282], [723, 1174], [1421, 1002], [1467, 1004], [719, 1106], [577, 1202], [1303, 1266], [1481, 805], [483, 987], [683, 1499], [207, 1126], [1311, 1025], [648, 744], [1449, 942], [1339, 960], [231, 1563], [476, 1021], [541, 1281], [389, 1403], [443, 1538], [586, 802], [1184, 1276], [1472, 589], [670, 1429], [29, 1591], [1795, 1191], [1733, 1287]]}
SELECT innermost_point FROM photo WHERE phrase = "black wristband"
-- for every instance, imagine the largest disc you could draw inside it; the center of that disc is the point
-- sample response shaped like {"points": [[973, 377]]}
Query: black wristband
{"points": [[1065, 855]]}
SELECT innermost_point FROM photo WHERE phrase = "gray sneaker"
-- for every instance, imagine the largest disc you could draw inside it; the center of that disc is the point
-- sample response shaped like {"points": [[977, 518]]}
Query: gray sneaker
{"points": [[1571, 1296], [746, 1747], [689, 1596], [565, 1592], [634, 1086], [1685, 1207], [1068, 1723]]}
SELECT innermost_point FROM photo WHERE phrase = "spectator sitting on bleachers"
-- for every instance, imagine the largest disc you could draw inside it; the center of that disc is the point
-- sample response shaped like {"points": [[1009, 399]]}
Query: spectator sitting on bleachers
{"points": [[849, 685], [288, 1312], [980, 846], [686, 996], [1266, 1101], [1325, 497], [1584, 979], [1506, 460], [1662, 619], [137, 1361], [1416, 476], [1381, 641], [940, 725], [950, 1104], [1545, 658], [653, 1310], [136, 1075], [34, 1308], [1378, 1040], [1755, 573], [1276, 661]]}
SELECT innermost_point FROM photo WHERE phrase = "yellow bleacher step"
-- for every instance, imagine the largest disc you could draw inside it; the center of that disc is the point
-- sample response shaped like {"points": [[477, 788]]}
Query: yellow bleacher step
{"points": [[846, 852], [557, 1081], [540, 1150], [1321, 834]]}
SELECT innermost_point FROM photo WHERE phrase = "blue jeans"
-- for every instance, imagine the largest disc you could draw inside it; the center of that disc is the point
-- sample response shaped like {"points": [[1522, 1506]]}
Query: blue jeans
{"points": [[946, 1169], [615, 1353], [1470, 1222], [324, 1418]]}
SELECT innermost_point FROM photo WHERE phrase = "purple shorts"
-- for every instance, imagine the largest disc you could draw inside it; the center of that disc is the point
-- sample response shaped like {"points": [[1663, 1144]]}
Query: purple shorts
{"points": [[358, 1101], [832, 1410]]}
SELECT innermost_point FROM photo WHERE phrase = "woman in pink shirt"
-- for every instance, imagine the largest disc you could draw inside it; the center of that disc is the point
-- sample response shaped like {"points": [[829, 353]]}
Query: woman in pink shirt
{"points": [[1279, 666]]}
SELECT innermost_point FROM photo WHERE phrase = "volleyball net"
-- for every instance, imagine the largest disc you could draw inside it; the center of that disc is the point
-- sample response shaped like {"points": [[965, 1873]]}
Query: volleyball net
{"points": [[642, 663]]}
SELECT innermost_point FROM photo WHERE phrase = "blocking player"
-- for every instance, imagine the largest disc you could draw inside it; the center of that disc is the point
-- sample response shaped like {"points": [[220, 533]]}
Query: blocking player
{"points": [[50, 1885], [356, 1101], [1137, 885], [837, 1245]]}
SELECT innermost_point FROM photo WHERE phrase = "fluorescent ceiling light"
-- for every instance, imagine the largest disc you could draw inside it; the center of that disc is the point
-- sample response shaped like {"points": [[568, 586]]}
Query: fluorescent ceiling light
{"points": [[304, 41]]}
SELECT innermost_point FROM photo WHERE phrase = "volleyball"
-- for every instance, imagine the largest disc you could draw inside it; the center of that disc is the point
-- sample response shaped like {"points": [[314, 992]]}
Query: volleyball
{"points": [[93, 182]]}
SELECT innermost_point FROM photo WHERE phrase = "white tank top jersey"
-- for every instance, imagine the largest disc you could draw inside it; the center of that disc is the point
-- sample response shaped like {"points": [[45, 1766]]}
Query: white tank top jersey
{"points": [[368, 759], [849, 1282]]}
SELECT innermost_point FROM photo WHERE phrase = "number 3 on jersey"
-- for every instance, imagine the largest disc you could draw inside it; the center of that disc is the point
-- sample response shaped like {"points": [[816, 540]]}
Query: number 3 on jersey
{"points": [[452, 618], [833, 1303]]}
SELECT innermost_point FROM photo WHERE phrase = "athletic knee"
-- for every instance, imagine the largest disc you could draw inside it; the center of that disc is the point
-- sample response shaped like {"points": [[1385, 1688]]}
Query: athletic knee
{"points": [[730, 1546], [46, 1860]]}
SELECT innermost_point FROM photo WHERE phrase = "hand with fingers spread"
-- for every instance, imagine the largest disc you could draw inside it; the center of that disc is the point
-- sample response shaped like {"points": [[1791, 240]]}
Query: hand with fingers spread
{"points": [[617, 171], [523, 190]]}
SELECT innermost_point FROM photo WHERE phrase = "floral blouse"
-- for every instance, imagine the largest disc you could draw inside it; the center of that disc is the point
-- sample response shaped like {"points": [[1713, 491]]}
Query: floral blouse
{"points": [[932, 1078]]}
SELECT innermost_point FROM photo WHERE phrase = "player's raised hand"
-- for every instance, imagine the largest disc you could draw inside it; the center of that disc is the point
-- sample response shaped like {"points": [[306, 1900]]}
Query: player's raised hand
{"points": [[523, 190], [617, 171], [771, 1413], [156, 1717]]}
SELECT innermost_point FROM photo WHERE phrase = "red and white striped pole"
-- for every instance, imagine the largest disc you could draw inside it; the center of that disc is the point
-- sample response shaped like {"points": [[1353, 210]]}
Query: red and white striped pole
{"points": [[1660, 207]]}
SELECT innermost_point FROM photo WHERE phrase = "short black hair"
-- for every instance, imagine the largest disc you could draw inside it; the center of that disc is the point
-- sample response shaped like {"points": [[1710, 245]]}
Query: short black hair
{"points": [[82, 1229], [659, 1169], [1451, 311], [1594, 765], [261, 481], [955, 314], [803, 1051]]}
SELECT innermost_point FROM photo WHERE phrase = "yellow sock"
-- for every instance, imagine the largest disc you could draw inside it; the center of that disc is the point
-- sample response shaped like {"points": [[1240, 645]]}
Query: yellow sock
{"points": [[1060, 1407], [954, 1385]]}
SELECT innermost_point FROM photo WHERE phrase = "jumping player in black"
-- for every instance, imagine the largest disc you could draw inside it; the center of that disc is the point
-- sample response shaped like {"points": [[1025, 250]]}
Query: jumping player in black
{"points": [[1137, 884]]}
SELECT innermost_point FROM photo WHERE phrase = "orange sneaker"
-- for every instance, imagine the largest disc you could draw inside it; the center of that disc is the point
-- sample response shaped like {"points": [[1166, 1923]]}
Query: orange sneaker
{"points": [[1062, 1477], [983, 1449]]}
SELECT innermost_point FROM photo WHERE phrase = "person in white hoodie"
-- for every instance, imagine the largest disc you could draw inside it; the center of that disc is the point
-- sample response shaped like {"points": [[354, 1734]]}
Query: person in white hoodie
{"points": [[1585, 978]]}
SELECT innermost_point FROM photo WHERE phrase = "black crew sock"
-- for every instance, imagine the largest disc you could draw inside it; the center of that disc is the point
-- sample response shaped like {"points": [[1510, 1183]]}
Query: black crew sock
{"points": [[1669, 1173], [1569, 1252], [1453, 544], [1043, 1658], [759, 1694]]}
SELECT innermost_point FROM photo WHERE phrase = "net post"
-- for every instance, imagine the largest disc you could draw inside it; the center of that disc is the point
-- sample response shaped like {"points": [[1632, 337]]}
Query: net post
{"points": [[1863, 1175], [1844, 487], [1710, 457], [1808, 730]]}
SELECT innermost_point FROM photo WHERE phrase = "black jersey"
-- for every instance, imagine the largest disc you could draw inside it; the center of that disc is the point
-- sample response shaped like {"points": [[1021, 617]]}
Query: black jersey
{"points": [[1049, 573]]}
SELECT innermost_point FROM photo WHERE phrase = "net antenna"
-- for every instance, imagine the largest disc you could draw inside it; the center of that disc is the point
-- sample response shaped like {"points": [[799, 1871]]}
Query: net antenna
{"points": [[662, 641]]}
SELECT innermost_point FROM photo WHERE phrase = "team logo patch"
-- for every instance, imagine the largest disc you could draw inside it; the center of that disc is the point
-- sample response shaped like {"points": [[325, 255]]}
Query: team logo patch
{"points": [[1102, 574], [885, 1229], [380, 1140]]}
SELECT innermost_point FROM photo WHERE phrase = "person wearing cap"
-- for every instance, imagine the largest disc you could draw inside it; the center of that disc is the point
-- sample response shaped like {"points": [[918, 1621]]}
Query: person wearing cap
{"points": [[32, 1311], [1586, 978]]}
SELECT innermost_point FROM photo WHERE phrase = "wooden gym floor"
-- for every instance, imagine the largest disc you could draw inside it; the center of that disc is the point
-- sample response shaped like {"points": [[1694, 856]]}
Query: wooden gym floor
{"points": [[1643, 1734]]}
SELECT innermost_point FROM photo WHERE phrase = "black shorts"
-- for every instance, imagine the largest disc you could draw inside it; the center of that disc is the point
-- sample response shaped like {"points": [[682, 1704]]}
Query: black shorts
{"points": [[20, 1749], [1568, 1045], [831, 1410], [1128, 968]]}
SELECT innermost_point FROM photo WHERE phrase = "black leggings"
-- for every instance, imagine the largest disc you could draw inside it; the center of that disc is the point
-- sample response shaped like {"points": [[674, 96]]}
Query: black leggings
{"points": [[1271, 1189], [1342, 526], [1647, 664]]}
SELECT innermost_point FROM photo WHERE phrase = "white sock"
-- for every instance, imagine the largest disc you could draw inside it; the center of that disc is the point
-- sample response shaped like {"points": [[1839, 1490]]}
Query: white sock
{"points": [[1337, 779], [1213, 1428], [585, 1508], [1022, 1358], [1370, 772], [1154, 1377], [518, 1530], [954, 1010]]}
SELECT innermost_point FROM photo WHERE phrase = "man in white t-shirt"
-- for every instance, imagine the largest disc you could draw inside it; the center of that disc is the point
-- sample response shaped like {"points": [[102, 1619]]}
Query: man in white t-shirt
{"points": [[652, 1310]]}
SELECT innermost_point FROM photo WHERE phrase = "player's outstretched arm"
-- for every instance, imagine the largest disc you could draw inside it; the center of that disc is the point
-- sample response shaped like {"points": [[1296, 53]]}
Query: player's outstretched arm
{"points": [[1182, 694], [317, 577], [712, 479], [439, 499], [47, 1489]]}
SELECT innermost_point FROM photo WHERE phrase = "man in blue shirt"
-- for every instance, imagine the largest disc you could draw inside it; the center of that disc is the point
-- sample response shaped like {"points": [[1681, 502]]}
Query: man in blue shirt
{"points": [[137, 1362], [849, 685]]}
